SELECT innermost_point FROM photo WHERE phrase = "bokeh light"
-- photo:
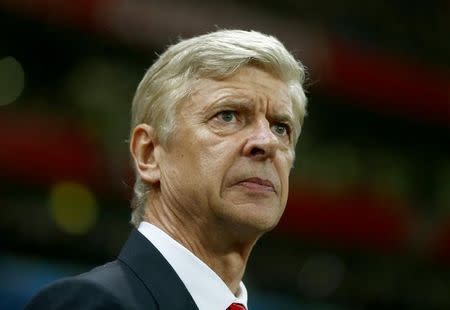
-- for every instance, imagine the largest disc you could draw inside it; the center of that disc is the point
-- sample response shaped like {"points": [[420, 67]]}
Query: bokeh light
{"points": [[73, 207], [12, 79]]}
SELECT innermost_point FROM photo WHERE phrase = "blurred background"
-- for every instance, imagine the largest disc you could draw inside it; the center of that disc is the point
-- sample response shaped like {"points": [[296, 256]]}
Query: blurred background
{"points": [[367, 222]]}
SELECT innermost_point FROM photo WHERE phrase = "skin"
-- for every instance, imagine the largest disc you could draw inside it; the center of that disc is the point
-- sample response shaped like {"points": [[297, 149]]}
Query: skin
{"points": [[222, 179]]}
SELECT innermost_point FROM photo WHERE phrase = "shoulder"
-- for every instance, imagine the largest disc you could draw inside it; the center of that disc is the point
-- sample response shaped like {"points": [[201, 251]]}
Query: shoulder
{"points": [[75, 293], [111, 286]]}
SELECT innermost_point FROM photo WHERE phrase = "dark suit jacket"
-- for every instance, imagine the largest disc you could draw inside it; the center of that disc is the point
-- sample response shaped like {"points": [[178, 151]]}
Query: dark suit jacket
{"points": [[140, 278]]}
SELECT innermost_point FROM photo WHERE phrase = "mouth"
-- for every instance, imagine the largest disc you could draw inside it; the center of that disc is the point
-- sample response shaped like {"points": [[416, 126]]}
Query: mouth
{"points": [[257, 185]]}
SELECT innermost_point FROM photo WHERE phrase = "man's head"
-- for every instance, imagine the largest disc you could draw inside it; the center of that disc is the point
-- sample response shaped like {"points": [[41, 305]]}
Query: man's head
{"points": [[198, 147]]}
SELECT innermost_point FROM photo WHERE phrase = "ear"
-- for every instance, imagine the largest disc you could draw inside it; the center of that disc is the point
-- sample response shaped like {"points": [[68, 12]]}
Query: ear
{"points": [[143, 146]]}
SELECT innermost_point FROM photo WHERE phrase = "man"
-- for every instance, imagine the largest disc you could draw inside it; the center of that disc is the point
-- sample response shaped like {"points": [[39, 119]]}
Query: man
{"points": [[215, 122]]}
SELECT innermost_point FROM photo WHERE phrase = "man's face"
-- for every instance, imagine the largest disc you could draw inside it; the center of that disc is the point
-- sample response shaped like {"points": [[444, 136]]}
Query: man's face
{"points": [[227, 162]]}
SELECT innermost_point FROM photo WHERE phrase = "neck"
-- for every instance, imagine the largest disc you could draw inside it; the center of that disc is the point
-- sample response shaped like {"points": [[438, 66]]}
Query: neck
{"points": [[224, 251]]}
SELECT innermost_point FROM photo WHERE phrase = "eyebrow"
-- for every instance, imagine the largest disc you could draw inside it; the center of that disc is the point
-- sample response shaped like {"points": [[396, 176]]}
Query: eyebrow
{"points": [[283, 118], [232, 102]]}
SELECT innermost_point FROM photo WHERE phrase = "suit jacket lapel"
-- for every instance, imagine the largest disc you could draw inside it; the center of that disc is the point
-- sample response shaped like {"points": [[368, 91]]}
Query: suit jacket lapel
{"points": [[156, 273]]}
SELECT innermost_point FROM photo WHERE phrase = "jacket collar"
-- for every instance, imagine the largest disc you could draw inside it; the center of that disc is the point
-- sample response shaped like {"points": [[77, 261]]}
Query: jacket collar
{"points": [[155, 272]]}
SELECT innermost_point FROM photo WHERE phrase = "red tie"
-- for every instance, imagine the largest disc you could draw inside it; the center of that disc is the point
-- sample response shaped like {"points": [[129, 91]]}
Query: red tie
{"points": [[235, 306]]}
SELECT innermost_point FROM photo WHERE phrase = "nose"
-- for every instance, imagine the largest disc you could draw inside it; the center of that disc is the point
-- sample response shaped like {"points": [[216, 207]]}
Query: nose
{"points": [[262, 142]]}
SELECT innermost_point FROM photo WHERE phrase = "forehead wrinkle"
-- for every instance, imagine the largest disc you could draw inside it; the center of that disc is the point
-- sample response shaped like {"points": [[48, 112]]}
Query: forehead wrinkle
{"points": [[281, 110], [214, 89]]}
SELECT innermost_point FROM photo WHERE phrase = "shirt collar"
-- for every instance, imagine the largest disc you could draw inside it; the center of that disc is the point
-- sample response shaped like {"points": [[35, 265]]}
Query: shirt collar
{"points": [[205, 286]]}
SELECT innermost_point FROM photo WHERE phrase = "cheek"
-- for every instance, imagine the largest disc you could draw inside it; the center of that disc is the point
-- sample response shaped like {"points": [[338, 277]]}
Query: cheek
{"points": [[216, 159], [287, 160], [217, 151], [284, 169]]}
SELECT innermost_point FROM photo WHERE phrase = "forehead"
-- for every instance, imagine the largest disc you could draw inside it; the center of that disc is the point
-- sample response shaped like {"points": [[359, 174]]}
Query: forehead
{"points": [[248, 84]]}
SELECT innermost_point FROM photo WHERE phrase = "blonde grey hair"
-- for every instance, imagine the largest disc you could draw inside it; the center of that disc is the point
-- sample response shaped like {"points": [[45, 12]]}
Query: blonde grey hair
{"points": [[215, 55]]}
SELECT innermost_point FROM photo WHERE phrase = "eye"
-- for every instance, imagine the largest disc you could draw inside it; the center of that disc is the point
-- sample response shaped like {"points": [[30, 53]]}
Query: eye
{"points": [[280, 129], [227, 116]]}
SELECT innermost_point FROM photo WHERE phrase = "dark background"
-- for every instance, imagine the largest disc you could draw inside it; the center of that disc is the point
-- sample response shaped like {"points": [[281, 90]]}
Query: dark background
{"points": [[366, 225]]}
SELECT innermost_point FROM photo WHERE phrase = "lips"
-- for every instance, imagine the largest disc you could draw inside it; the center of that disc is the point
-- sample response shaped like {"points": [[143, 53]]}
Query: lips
{"points": [[257, 184]]}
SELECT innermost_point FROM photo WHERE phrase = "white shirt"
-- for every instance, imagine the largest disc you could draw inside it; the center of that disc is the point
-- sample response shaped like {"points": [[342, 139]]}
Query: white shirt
{"points": [[205, 286]]}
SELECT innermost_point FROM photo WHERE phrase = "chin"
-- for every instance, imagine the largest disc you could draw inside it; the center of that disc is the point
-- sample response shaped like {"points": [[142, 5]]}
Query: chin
{"points": [[257, 219], [266, 225], [250, 232]]}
